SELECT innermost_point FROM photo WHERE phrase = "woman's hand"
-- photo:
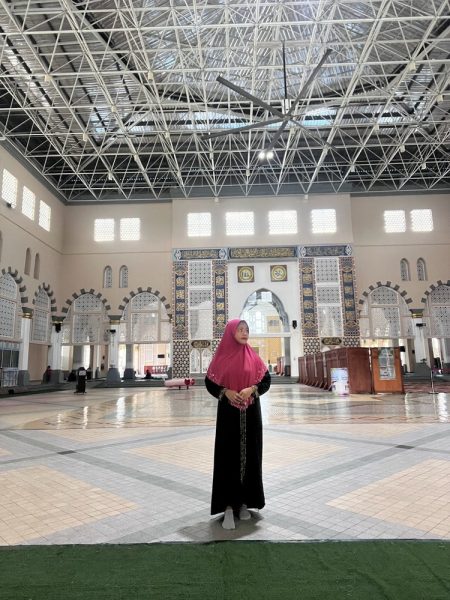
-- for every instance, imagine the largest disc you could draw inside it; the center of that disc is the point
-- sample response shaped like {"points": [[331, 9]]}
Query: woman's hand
{"points": [[246, 393], [234, 398]]}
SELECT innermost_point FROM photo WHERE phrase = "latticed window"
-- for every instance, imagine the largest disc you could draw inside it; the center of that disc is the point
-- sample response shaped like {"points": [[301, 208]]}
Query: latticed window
{"points": [[145, 320], [422, 220], [9, 304], [130, 229], [394, 221], [45, 215], [328, 295], [86, 321], [104, 230], [282, 222], [123, 276], [200, 299], [28, 203], [37, 266], [41, 328], [9, 188], [404, 270], [323, 220], [107, 277], [387, 317], [27, 268], [240, 223], [438, 306], [199, 224], [421, 270]]}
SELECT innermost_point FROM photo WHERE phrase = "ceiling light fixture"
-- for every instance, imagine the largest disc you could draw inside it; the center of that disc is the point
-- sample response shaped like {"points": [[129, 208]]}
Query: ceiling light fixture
{"points": [[440, 98], [412, 66], [402, 148], [85, 137], [150, 76], [376, 127], [262, 155], [423, 166], [110, 176], [269, 154], [352, 168]]}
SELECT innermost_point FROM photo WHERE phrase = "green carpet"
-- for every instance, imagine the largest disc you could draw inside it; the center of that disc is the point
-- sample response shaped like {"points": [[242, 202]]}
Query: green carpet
{"points": [[397, 570]]}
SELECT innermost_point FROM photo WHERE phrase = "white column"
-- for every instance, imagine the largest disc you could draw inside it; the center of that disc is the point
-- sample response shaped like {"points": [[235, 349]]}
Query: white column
{"points": [[113, 375], [54, 356], [129, 366], [24, 349]]}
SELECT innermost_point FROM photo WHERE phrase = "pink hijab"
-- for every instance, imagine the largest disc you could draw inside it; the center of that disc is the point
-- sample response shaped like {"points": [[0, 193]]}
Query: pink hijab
{"points": [[234, 365]]}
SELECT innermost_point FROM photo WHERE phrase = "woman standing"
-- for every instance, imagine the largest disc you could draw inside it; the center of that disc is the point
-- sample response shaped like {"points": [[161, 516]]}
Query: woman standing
{"points": [[237, 377]]}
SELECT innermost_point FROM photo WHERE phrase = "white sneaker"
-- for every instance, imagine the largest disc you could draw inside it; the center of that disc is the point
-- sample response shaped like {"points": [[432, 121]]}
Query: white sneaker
{"points": [[244, 513], [228, 519]]}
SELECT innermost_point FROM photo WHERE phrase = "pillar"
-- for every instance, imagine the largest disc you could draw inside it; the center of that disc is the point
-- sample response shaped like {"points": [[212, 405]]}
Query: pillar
{"points": [[54, 354], [113, 375], [129, 367], [23, 376], [77, 357]]}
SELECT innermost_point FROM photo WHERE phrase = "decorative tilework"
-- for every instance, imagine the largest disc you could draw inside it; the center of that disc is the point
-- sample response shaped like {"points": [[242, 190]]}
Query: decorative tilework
{"points": [[311, 345], [348, 285], [307, 299], [180, 329], [264, 252], [220, 291], [351, 342], [340, 250], [200, 254], [180, 360]]}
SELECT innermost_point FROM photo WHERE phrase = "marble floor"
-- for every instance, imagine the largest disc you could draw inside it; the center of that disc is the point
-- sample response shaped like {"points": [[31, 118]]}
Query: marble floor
{"points": [[134, 465]]}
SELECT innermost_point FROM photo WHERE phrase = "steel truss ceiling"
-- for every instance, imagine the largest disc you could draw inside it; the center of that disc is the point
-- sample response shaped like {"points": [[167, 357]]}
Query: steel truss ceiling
{"points": [[115, 100]]}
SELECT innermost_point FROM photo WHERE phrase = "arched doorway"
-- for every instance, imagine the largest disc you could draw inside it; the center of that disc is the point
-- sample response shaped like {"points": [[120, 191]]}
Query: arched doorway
{"points": [[269, 330]]}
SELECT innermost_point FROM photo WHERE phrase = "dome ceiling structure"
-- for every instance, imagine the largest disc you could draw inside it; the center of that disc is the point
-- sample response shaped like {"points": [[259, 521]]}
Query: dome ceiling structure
{"points": [[119, 100]]}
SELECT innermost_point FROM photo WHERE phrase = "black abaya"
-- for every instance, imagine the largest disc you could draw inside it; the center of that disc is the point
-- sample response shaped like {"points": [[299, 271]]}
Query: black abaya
{"points": [[237, 478]]}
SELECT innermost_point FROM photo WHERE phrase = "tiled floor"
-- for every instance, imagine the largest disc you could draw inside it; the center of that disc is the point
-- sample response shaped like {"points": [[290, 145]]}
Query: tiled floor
{"points": [[134, 465]]}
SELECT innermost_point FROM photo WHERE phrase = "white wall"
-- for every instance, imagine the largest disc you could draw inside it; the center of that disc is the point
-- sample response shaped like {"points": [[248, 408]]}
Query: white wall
{"points": [[378, 254], [20, 233], [149, 260], [261, 206]]}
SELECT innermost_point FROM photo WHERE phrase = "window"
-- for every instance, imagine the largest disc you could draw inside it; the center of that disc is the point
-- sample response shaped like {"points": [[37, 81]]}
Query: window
{"points": [[37, 266], [199, 224], [28, 200], [9, 188], [323, 220], [404, 270], [27, 262], [282, 222], [422, 220], [421, 270], [107, 277], [130, 229], [45, 215], [123, 277], [104, 230], [394, 221], [240, 223]]}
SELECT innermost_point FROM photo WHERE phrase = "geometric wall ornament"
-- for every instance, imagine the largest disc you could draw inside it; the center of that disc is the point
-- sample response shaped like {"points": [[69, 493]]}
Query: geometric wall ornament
{"points": [[245, 274]]}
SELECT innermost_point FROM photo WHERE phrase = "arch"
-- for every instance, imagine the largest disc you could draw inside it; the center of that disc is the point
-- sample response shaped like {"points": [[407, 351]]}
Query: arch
{"points": [[27, 267], [405, 274], [384, 314], [437, 310], [37, 266], [131, 295], [432, 287], [75, 295], [10, 308], [421, 270], [50, 294], [107, 277], [19, 280], [123, 276], [403, 293], [275, 301]]}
